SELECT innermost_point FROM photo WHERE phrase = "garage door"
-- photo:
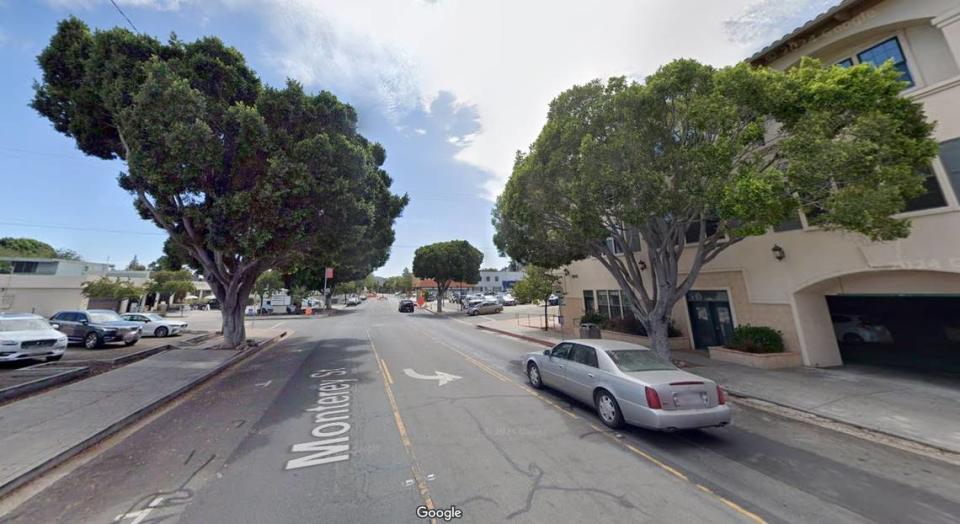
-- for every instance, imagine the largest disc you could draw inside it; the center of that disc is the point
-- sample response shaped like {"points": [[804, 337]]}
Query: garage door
{"points": [[912, 332]]}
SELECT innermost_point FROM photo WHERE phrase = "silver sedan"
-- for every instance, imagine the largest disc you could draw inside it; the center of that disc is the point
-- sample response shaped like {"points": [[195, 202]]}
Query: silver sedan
{"points": [[629, 384]]}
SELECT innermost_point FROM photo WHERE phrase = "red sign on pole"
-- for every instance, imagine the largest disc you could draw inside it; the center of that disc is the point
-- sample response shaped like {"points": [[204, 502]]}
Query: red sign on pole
{"points": [[329, 273]]}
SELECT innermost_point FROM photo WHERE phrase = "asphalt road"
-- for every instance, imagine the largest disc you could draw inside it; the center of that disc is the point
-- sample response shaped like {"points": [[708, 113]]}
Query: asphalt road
{"points": [[341, 422]]}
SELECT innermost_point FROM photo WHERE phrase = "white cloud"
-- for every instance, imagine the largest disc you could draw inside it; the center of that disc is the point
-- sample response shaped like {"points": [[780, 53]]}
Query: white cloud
{"points": [[420, 131], [506, 59], [765, 21]]}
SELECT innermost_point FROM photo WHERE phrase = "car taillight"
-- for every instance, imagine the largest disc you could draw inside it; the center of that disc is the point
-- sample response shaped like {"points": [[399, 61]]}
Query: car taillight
{"points": [[653, 398], [721, 396]]}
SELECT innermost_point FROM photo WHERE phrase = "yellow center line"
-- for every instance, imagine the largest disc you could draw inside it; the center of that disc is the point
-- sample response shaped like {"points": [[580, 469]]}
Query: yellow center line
{"points": [[653, 460], [418, 475]]}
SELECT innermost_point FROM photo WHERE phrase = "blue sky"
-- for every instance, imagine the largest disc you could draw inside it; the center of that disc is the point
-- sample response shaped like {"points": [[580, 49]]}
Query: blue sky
{"points": [[450, 88]]}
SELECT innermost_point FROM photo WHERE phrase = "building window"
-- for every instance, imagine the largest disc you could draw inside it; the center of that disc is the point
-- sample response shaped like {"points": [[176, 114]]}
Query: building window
{"points": [[950, 156], [846, 63], [496, 279], [693, 231], [588, 304], [888, 50], [932, 196], [25, 267], [488, 279], [610, 303], [614, 246]]}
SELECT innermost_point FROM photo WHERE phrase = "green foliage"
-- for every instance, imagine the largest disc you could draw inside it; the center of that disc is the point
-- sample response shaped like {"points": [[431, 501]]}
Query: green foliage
{"points": [[739, 147], [536, 285], [115, 289], [756, 339], [174, 283], [445, 262], [243, 177], [268, 283], [26, 247], [68, 254], [594, 317]]}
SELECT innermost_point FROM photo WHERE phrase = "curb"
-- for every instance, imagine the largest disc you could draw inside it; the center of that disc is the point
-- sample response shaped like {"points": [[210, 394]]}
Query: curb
{"points": [[826, 421], [135, 416], [515, 335], [66, 375]]}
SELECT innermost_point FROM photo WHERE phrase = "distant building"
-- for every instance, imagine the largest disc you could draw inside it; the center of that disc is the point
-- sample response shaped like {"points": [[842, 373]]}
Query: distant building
{"points": [[498, 281], [45, 286]]}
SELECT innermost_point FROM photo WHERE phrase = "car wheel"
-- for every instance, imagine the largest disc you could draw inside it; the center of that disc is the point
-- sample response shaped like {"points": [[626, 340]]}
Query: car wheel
{"points": [[852, 338], [92, 340], [608, 409], [533, 375], [162, 331], [54, 359]]}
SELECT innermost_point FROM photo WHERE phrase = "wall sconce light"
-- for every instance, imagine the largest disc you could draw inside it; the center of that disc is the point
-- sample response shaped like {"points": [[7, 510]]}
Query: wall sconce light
{"points": [[778, 252], [643, 265]]}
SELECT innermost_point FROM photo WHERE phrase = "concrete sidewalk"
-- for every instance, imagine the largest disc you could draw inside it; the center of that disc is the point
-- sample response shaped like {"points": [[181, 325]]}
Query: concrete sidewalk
{"points": [[42, 431], [905, 406]]}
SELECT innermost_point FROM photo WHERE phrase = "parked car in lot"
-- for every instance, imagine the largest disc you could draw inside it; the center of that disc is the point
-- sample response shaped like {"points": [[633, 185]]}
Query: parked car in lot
{"points": [[508, 300], [353, 300], [485, 307], [553, 300], [857, 329], [628, 383], [95, 327], [153, 325], [25, 336], [406, 306]]}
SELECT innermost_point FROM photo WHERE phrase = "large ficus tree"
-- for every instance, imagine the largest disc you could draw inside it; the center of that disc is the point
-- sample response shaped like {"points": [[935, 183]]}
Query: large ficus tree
{"points": [[447, 262], [630, 173], [243, 177]]}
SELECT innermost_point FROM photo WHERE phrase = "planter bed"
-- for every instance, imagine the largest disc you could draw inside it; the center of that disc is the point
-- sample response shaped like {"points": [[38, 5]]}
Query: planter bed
{"points": [[785, 359]]}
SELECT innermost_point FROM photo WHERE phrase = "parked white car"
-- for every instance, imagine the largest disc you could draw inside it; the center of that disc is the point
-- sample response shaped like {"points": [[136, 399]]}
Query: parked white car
{"points": [[508, 300], [857, 329], [156, 326], [24, 336]]}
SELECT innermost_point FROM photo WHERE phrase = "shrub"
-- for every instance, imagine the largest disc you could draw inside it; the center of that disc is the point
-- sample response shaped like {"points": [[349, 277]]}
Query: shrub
{"points": [[632, 326], [591, 317], [756, 339]]}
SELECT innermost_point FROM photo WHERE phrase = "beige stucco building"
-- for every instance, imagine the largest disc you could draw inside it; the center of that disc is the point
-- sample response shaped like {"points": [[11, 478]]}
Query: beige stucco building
{"points": [[822, 275]]}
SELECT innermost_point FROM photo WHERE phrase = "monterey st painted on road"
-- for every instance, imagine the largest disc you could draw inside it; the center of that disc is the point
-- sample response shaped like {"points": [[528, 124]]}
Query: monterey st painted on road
{"points": [[330, 416]]}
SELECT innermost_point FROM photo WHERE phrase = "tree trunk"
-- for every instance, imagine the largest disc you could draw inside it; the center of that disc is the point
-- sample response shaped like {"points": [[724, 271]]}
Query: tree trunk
{"points": [[659, 336], [546, 304], [234, 331], [440, 294]]}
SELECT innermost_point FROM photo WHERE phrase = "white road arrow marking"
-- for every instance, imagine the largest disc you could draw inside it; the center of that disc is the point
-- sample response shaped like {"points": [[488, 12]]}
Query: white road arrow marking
{"points": [[441, 377], [264, 384]]}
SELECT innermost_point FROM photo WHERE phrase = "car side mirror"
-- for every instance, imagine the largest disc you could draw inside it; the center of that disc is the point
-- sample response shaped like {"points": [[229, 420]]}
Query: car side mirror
{"points": [[546, 352], [55, 326], [84, 322]]}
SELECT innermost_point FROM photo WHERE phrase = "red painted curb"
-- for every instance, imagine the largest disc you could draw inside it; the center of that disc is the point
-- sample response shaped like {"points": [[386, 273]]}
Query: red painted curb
{"points": [[521, 337]]}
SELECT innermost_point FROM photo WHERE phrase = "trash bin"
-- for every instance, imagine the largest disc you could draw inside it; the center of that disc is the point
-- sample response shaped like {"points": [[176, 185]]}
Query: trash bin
{"points": [[588, 330]]}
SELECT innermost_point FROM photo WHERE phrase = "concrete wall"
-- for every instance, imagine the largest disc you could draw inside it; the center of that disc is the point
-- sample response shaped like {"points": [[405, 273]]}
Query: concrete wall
{"points": [[43, 295]]}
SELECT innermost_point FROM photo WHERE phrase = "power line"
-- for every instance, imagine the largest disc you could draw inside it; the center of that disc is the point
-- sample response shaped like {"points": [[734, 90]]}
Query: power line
{"points": [[76, 228], [124, 15]]}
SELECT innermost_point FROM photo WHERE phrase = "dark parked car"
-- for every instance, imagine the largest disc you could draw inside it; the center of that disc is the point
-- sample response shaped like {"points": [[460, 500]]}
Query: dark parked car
{"points": [[406, 306], [95, 327]]}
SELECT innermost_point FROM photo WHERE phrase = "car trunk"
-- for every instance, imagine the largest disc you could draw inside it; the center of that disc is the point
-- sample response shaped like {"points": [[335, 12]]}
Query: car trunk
{"points": [[679, 390]]}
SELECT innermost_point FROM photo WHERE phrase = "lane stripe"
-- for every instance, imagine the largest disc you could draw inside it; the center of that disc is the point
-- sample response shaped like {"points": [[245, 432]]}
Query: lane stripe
{"points": [[418, 475], [653, 460]]}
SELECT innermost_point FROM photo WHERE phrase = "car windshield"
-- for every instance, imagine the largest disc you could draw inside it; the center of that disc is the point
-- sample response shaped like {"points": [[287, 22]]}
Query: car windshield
{"points": [[153, 316], [23, 324], [629, 360], [104, 316]]}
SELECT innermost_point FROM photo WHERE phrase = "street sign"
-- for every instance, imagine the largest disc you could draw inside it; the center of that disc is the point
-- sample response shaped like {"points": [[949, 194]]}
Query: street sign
{"points": [[329, 273]]}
